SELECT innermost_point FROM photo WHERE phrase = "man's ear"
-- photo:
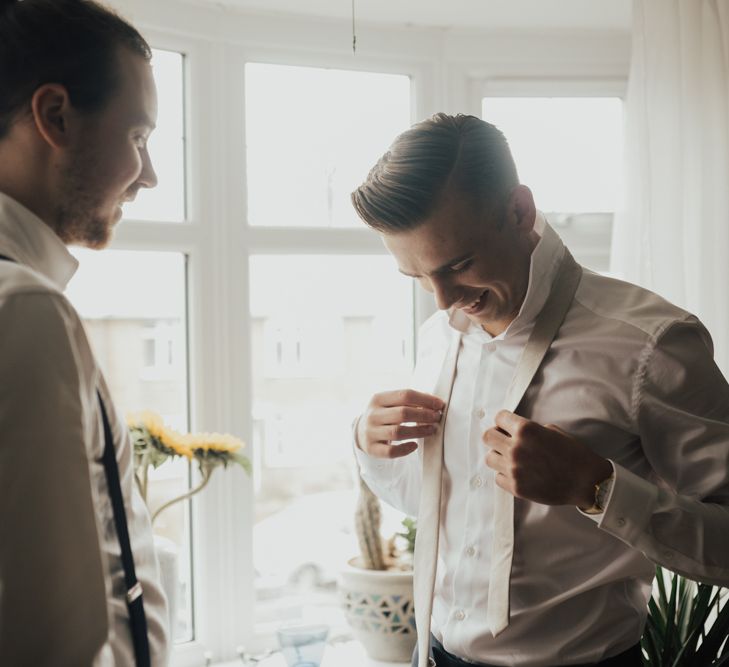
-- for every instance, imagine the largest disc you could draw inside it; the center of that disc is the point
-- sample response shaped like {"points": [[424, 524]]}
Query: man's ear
{"points": [[523, 208], [51, 107]]}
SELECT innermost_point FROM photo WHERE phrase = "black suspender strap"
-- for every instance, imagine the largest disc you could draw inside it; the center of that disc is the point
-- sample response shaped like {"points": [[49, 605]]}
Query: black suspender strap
{"points": [[134, 600]]}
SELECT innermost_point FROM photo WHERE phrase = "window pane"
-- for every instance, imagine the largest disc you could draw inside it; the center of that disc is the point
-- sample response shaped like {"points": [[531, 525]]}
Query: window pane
{"points": [[340, 330], [312, 135], [568, 150], [166, 202], [133, 306]]}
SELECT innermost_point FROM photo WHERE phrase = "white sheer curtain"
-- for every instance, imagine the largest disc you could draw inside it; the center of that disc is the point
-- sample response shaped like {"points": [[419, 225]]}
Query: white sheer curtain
{"points": [[672, 234]]}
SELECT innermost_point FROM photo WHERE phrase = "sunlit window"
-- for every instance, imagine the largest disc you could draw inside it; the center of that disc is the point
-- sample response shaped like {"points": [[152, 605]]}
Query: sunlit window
{"points": [[312, 135], [133, 306], [340, 309], [327, 331]]}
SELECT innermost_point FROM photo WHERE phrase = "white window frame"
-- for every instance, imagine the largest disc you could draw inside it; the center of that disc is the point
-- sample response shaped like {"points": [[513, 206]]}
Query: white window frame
{"points": [[296, 240], [217, 43]]}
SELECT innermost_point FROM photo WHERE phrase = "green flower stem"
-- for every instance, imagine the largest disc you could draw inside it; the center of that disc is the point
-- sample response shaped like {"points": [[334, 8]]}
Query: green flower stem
{"points": [[139, 484], [142, 482], [207, 473]]}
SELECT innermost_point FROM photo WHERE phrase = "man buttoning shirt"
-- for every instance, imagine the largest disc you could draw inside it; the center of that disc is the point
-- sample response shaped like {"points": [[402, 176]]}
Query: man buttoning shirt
{"points": [[615, 459], [77, 104]]}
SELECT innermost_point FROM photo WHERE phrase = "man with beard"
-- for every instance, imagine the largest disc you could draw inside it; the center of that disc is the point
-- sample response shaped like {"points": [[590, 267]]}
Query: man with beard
{"points": [[78, 575]]}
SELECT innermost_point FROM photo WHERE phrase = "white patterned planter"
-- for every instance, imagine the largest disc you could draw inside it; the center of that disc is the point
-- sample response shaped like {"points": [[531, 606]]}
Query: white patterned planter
{"points": [[378, 605]]}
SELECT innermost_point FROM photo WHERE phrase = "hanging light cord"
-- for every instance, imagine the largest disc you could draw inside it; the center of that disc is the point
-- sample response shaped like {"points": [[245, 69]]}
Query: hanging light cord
{"points": [[354, 32]]}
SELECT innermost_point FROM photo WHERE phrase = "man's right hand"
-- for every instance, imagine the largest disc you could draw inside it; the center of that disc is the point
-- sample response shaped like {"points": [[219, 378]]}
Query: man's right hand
{"points": [[396, 417]]}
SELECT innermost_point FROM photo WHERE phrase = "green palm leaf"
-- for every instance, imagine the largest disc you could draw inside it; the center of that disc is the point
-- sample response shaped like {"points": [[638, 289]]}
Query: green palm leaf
{"points": [[714, 639], [670, 634], [687, 624]]}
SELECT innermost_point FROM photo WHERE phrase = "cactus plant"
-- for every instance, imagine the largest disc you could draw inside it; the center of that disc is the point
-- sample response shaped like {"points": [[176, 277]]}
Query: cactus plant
{"points": [[377, 553], [367, 521], [377, 587]]}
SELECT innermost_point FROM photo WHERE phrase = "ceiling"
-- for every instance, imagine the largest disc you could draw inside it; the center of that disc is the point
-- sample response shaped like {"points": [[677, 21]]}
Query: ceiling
{"points": [[526, 15]]}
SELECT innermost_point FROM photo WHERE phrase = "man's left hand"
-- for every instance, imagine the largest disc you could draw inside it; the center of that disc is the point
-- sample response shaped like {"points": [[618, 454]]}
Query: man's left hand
{"points": [[543, 463]]}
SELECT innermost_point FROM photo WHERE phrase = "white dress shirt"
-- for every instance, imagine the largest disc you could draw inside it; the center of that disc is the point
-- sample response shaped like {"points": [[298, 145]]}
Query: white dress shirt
{"points": [[630, 375], [61, 578]]}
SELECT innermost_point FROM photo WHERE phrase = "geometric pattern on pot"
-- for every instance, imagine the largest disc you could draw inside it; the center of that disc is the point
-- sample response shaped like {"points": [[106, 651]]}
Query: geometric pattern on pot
{"points": [[383, 614]]}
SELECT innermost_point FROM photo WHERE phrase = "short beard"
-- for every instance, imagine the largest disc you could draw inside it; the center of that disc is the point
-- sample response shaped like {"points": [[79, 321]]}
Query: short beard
{"points": [[76, 219]]}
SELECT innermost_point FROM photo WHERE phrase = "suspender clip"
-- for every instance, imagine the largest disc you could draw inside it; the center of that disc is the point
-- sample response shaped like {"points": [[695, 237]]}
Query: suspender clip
{"points": [[134, 592]]}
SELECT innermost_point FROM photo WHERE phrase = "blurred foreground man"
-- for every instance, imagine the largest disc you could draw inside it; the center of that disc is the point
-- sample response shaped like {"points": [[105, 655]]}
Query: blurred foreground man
{"points": [[564, 432], [78, 575]]}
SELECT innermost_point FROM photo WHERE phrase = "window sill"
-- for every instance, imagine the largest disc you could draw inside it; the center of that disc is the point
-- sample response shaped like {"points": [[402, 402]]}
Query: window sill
{"points": [[348, 653]]}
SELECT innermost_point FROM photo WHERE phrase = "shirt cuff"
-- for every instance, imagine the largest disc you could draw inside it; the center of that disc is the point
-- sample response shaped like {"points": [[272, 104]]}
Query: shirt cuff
{"points": [[371, 465], [630, 506]]}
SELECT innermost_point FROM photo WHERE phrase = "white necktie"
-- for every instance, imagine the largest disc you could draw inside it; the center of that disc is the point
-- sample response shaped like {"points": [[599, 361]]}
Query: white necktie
{"points": [[545, 329], [426, 537]]}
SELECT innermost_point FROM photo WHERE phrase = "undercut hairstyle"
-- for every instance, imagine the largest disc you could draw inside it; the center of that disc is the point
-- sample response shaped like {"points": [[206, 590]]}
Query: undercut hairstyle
{"points": [[460, 154], [69, 42]]}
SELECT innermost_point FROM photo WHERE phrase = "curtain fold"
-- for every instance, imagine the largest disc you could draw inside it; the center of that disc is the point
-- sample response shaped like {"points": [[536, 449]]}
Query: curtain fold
{"points": [[671, 233]]}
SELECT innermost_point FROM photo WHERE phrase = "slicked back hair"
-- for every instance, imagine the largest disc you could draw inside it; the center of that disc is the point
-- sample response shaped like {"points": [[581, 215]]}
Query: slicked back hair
{"points": [[460, 154], [74, 43]]}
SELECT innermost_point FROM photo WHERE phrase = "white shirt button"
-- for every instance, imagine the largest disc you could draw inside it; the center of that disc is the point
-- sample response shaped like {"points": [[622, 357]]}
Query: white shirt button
{"points": [[480, 413], [476, 482], [460, 615], [471, 551]]}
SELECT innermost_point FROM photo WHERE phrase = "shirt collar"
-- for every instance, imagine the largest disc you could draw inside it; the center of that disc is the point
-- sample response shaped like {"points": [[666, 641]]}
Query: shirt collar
{"points": [[545, 260], [25, 238]]}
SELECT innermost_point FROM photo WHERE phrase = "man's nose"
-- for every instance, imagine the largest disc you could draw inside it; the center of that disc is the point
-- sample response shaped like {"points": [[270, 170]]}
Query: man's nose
{"points": [[444, 293], [148, 176]]}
